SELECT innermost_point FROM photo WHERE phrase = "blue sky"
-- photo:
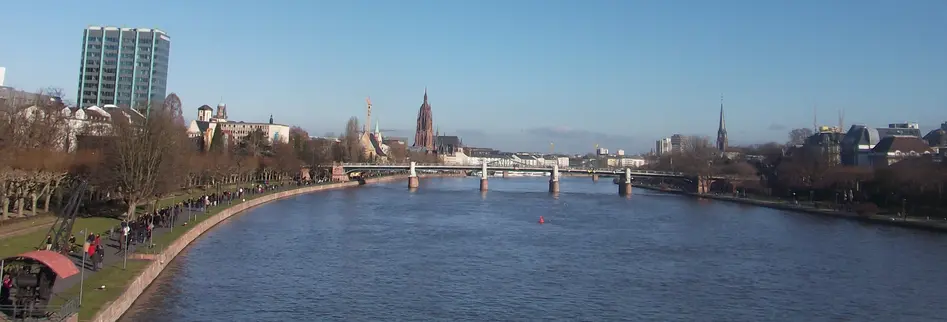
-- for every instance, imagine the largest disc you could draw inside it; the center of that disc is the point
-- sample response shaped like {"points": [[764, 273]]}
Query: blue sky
{"points": [[519, 74]]}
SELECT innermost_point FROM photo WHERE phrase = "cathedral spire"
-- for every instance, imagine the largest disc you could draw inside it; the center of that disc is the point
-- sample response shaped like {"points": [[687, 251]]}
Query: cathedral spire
{"points": [[722, 130], [424, 133]]}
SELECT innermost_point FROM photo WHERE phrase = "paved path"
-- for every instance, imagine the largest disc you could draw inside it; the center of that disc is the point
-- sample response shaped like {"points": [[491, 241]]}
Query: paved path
{"points": [[114, 256], [23, 227]]}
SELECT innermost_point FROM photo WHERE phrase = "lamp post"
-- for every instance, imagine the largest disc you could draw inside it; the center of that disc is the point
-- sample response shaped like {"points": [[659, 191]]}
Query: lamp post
{"points": [[82, 268], [904, 211]]}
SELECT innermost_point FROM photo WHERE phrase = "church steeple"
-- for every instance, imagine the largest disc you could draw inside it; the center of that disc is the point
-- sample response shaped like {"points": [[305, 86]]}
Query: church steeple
{"points": [[722, 130], [424, 132]]}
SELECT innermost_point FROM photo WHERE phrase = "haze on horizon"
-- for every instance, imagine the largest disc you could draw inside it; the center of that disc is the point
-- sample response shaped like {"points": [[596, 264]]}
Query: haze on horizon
{"points": [[519, 75]]}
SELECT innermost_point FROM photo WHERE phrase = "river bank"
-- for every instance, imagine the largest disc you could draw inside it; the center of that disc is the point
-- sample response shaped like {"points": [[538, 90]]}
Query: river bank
{"points": [[932, 225], [114, 308]]}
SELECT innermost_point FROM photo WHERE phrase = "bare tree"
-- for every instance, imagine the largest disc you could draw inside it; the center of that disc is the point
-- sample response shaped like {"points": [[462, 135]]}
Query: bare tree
{"points": [[141, 159], [32, 156], [352, 150], [172, 104], [799, 136], [696, 157]]}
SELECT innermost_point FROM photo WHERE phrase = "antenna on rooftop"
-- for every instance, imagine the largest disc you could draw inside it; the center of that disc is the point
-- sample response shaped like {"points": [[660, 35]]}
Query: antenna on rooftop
{"points": [[841, 120], [815, 116]]}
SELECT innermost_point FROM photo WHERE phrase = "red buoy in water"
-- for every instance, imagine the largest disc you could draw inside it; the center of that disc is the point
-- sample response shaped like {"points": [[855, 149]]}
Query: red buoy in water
{"points": [[541, 220]]}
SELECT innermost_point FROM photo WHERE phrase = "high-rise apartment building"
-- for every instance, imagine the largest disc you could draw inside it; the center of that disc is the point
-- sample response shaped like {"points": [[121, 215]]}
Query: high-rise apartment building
{"points": [[127, 67]]}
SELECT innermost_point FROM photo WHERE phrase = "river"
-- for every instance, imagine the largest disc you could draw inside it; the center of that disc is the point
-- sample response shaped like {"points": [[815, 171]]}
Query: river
{"points": [[449, 253]]}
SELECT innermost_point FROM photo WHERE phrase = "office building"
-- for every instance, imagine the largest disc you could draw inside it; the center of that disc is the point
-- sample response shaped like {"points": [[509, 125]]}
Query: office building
{"points": [[3, 72], [127, 67]]}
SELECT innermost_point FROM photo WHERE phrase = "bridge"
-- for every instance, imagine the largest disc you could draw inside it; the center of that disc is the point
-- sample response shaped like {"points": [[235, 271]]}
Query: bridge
{"points": [[349, 167], [625, 176]]}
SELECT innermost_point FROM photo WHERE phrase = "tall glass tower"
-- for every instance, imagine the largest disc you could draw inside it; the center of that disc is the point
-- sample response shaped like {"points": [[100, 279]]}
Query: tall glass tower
{"points": [[124, 66]]}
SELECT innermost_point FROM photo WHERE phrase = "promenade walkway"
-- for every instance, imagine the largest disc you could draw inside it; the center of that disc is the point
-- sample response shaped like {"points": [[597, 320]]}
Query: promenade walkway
{"points": [[117, 271]]}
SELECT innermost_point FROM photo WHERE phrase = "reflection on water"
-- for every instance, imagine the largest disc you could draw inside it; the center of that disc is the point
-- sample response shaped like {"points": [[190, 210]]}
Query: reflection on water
{"points": [[448, 252]]}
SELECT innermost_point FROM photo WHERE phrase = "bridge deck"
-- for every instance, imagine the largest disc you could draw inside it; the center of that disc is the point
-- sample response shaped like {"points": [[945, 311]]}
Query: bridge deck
{"points": [[424, 166]]}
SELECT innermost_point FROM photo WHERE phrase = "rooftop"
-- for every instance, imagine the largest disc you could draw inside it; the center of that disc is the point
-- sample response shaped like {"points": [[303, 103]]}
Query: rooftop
{"points": [[903, 144]]}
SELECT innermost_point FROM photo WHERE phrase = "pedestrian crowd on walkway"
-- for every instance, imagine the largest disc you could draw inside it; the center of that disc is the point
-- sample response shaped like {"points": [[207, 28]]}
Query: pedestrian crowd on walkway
{"points": [[131, 233]]}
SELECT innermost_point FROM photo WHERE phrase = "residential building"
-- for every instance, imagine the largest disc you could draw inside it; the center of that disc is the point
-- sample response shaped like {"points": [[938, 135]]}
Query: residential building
{"points": [[126, 67], [662, 146], [857, 144], [620, 152], [937, 139], [625, 162], [20, 99], [601, 151], [91, 121], [553, 160], [827, 142], [207, 123], [892, 149]]}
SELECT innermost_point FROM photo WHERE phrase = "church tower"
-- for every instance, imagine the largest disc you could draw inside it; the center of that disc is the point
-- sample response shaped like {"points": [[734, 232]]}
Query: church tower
{"points": [[722, 130], [424, 134]]}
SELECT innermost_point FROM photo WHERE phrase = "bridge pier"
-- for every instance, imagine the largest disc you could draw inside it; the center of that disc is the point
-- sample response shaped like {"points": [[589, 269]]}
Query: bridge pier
{"points": [[413, 182], [595, 177], [504, 174], [483, 177], [624, 184], [554, 179]]}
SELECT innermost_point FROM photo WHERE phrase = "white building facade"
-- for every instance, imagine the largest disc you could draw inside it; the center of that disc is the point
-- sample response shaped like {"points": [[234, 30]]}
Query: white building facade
{"points": [[662, 146]]}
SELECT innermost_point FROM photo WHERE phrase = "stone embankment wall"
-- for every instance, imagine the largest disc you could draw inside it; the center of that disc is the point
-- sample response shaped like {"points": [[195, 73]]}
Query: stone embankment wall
{"points": [[114, 310]]}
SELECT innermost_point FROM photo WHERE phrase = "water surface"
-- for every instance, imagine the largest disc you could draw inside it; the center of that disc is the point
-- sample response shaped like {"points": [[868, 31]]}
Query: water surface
{"points": [[449, 253]]}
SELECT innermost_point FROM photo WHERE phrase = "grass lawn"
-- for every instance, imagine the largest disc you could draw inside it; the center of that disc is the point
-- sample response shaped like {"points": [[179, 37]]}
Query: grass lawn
{"points": [[15, 245], [115, 280]]}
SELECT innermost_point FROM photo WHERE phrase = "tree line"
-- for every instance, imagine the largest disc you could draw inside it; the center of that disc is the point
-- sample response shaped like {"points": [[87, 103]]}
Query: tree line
{"points": [[130, 161], [914, 186]]}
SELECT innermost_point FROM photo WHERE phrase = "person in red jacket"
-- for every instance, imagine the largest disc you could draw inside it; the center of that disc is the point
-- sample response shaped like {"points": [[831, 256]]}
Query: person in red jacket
{"points": [[91, 249]]}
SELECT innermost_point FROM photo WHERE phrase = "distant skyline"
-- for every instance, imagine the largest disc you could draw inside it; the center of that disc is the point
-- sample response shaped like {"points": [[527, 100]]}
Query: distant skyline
{"points": [[517, 75]]}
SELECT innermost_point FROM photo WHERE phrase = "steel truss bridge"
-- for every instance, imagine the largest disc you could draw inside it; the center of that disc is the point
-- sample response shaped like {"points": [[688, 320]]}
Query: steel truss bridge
{"points": [[512, 167]]}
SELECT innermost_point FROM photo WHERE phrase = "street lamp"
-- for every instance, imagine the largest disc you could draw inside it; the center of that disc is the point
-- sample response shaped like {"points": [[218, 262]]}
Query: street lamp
{"points": [[904, 212]]}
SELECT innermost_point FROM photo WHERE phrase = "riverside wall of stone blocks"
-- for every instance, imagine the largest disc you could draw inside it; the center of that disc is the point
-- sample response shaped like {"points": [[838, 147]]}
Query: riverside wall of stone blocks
{"points": [[115, 309]]}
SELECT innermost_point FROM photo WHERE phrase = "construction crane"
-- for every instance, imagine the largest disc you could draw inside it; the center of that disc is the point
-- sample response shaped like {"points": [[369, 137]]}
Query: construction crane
{"points": [[368, 118], [61, 229]]}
